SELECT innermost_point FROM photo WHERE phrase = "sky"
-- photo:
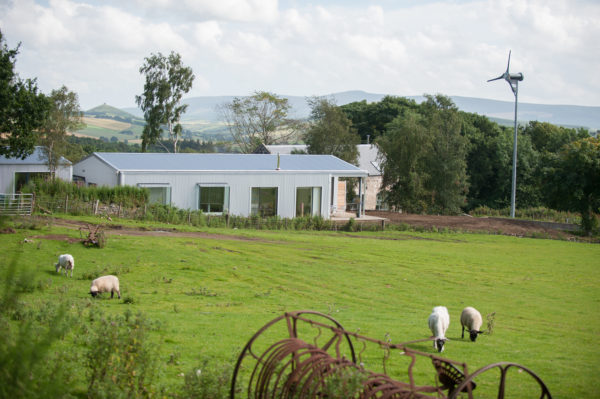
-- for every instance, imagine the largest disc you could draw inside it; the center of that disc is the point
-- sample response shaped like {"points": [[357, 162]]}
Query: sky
{"points": [[308, 48]]}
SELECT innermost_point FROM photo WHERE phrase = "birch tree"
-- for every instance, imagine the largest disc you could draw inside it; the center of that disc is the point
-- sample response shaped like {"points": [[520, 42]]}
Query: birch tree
{"points": [[167, 80]]}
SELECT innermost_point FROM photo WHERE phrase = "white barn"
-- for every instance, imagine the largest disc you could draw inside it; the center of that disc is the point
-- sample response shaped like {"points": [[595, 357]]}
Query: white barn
{"points": [[16, 172], [238, 184]]}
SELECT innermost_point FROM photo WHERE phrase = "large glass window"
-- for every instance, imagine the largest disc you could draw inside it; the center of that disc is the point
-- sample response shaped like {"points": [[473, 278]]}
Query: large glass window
{"points": [[159, 194], [308, 201], [264, 201], [213, 199], [22, 178]]}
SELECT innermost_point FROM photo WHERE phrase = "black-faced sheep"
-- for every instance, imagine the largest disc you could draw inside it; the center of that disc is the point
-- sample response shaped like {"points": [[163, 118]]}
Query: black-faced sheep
{"points": [[438, 321], [471, 318], [105, 284], [67, 262]]}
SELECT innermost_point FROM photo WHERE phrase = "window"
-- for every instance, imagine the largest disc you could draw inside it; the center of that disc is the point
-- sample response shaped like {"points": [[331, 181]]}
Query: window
{"points": [[159, 193], [213, 199], [264, 201], [308, 201], [22, 178]]}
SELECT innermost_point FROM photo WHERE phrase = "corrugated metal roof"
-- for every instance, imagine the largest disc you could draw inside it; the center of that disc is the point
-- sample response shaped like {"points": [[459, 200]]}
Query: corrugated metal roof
{"points": [[225, 162], [367, 155], [36, 158]]}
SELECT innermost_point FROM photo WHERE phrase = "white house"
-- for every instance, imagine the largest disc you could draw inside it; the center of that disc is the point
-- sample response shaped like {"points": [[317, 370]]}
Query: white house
{"points": [[368, 160], [238, 184], [16, 172]]}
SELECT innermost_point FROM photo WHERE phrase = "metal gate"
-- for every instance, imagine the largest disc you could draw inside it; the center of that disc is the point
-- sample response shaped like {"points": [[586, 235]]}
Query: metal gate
{"points": [[16, 204]]}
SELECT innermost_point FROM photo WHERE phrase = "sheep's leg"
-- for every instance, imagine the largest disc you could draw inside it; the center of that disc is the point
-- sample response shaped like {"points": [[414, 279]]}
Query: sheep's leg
{"points": [[112, 294], [463, 332]]}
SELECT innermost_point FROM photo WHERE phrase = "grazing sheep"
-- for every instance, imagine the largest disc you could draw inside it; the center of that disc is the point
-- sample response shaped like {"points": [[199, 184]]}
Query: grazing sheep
{"points": [[67, 262], [105, 284], [438, 321], [471, 319]]}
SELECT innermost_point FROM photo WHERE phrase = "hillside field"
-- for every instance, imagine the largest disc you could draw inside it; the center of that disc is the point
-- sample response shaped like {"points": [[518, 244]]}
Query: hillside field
{"points": [[211, 289]]}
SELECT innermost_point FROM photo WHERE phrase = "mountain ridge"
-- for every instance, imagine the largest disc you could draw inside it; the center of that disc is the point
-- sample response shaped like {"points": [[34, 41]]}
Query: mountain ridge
{"points": [[204, 108]]}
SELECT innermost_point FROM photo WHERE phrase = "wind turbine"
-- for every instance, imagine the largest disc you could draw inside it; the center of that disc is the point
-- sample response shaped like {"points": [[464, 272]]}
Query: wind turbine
{"points": [[513, 80]]}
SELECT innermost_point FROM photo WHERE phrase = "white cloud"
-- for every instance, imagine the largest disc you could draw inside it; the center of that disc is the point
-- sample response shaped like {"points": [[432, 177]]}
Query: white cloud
{"points": [[236, 47], [224, 10]]}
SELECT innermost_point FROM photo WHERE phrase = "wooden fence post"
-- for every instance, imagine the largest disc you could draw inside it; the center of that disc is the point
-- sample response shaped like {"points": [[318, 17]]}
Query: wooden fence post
{"points": [[67, 203]]}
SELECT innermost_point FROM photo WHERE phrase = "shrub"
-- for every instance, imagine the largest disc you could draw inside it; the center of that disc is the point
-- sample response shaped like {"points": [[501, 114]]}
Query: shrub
{"points": [[344, 383], [211, 380], [121, 362], [27, 341]]}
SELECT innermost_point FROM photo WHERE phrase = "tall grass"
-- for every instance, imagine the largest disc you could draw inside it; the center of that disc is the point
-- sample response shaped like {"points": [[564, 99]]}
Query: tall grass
{"points": [[52, 189], [538, 213]]}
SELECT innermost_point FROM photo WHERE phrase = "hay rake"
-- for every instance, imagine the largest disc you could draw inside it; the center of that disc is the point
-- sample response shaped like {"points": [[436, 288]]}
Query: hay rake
{"points": [[293, 367]]}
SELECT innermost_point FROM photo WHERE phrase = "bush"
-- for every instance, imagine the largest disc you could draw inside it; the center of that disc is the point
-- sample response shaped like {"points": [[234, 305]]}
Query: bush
{"points": [[344, 383], [28, 336], [121, 362], [209, 381]]}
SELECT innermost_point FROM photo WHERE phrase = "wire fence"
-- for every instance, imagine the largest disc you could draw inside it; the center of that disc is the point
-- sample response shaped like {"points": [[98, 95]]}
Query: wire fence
{"points": [[171, 215]]}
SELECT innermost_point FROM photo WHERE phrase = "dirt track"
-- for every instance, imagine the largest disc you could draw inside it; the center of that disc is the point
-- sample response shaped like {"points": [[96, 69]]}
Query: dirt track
{"points": [[513, 227]]}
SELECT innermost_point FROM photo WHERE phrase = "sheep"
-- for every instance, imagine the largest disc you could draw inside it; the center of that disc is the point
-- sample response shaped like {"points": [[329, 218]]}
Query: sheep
{"points": [[471, 319], [438, 321], [67, 262], [105, 284]]}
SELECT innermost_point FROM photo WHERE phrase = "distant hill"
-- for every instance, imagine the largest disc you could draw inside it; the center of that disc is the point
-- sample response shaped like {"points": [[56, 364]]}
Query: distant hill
{"points": [[205, 109], [106, 111]]}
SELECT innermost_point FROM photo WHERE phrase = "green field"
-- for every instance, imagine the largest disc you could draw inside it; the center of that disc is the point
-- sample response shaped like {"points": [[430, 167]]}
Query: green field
{"points": [[209, 295]]}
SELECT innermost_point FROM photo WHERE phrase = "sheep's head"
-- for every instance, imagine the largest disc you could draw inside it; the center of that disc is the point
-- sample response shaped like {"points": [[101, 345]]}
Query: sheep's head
{"points": [[439, 344], [93, 291], [473, 334], [57, 266]]}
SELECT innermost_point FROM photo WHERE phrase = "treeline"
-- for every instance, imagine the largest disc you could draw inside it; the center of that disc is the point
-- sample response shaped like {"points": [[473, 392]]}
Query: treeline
{"points": [[80, 147], [437, 159]]}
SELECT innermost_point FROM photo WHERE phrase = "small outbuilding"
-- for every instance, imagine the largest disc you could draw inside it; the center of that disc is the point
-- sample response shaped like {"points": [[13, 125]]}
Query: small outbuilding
{"points": [[16, 172], [238, 184]]}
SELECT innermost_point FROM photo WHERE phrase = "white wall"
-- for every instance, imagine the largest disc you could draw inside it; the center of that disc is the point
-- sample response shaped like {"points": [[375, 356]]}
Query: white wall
{"points": [[184, 192], [96, 172], [7, 174]]}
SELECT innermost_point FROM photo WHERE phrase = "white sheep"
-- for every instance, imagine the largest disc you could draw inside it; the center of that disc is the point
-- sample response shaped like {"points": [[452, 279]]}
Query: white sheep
{"points": [[105, 284], [471, 318], [438, 321], [67, 262]]}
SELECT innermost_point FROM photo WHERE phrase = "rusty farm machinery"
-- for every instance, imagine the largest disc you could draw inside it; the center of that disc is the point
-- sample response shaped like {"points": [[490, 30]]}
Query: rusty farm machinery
{"points": [[303, 354]]}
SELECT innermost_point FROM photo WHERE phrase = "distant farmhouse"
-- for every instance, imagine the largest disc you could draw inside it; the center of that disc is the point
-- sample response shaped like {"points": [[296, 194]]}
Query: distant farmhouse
{"points": [[367, 160], [239, 184], [16, 172]]}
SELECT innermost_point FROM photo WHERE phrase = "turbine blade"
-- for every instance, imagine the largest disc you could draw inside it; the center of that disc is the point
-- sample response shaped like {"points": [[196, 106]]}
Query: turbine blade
{"points": [[508, 65], [498, 78]]}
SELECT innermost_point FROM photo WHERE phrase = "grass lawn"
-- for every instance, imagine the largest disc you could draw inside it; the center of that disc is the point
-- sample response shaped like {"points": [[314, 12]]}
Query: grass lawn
{"points": [[210, 295]]}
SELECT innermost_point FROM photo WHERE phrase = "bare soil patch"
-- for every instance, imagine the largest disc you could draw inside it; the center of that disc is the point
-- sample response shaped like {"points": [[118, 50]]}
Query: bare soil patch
{"points": [[513, 227]]}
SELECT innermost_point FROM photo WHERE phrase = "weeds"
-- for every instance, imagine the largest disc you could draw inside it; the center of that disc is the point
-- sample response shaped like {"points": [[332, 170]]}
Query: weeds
{"points": [[121, 362]]}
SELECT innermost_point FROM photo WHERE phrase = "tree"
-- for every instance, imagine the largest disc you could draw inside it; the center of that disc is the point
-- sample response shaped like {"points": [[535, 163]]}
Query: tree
{"points": [[403, 148], [259, 118], [572, 182], [424, 158], [64, 116], [331, 132], [22, 108], [447, 159], [167, 80], [370, 119], [488, 162]]}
